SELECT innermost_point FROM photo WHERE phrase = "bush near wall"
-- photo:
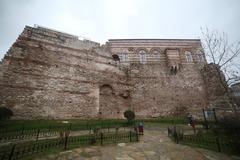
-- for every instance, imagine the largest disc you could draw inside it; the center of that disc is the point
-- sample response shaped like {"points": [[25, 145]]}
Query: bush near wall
{"points": [[5, 113]]}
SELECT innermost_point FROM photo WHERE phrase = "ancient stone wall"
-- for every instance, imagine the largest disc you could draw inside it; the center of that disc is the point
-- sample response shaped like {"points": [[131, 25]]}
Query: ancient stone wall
{"points": [[165, 83], [50, 74]]}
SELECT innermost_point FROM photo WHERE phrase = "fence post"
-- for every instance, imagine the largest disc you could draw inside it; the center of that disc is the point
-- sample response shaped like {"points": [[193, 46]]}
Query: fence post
{"points": [[214, 113], [101, 138], [182, 134], [168, 132], [49, 127], [70, 126], [177, 138], [37, 134], [137, 138], [175, 135], [22, 128], [87, 125], [130, 136], [65, 143], [22, 131], [218, 144], [11, 153], [205, 119]]}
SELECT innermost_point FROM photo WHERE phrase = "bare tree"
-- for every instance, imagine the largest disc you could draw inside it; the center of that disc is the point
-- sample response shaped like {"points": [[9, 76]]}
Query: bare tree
{"points": [[218, 50]]}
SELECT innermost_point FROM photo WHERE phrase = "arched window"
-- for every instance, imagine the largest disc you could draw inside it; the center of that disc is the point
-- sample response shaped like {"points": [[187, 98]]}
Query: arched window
{"points": [[188, 56], [106, 90], [156, 53], [115, 57], [142, 56], [124, 56], [200, 57]]}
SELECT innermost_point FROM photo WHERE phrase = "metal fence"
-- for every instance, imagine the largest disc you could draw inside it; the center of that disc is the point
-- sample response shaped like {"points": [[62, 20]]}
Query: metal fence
{"points": [[27, 134], [5, 128], [220, 144], [51, 131], [22, 150]]}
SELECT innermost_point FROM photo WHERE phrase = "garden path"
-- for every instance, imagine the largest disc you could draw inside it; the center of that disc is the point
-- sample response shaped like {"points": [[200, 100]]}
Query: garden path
{"points": [[154, 145]]}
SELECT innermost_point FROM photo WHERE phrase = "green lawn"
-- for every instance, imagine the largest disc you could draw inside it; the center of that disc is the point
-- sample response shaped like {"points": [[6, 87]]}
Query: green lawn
{"points": [[75, 124], [79, 124]]}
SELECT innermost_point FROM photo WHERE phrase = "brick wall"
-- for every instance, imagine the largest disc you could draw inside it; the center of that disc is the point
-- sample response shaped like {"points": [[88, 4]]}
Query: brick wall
{"points": [[157, 91], [43, 76], [49, 74]]}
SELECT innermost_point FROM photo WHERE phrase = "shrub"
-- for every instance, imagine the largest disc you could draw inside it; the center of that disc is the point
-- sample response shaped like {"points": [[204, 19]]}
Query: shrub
{"points": [[130, 115], [5, 113], [230, 127]]}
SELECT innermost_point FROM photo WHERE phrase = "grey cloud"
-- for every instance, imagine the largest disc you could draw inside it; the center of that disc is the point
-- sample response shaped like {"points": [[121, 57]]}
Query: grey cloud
{"points": [[103, 19]]}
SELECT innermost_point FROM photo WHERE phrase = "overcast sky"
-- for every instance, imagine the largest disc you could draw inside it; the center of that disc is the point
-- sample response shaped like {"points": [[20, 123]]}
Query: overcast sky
{"points": [[100, 20]]}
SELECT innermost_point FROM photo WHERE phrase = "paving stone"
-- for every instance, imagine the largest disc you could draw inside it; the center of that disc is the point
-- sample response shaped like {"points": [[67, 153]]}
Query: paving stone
{"points": [[164, 157], [79, 150], [151, 153], [124, 157], [137, 155], [152, 149], [121, 144]]}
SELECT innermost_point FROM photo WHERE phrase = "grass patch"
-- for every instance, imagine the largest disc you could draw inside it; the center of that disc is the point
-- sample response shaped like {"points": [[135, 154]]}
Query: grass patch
{"points": [[73, 124], [166, 120], [80, 124]]}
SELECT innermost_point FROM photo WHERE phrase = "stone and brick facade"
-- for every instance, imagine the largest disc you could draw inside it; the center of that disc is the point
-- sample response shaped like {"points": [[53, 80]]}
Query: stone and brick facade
{"points": [[50, 74]]}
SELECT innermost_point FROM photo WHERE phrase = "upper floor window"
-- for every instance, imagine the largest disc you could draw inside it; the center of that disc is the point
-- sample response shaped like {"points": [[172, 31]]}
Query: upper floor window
{"points": [[156, 53], [200, 57], [188, 56], [124, 56], [142, 56]]}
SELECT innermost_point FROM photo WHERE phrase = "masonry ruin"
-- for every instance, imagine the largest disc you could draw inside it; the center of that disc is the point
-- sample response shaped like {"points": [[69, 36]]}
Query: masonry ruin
{"points": [[50, 74]]}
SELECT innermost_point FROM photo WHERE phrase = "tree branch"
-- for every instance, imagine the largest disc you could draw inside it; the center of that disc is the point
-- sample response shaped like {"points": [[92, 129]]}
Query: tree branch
{"points": [[235, 54]]}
